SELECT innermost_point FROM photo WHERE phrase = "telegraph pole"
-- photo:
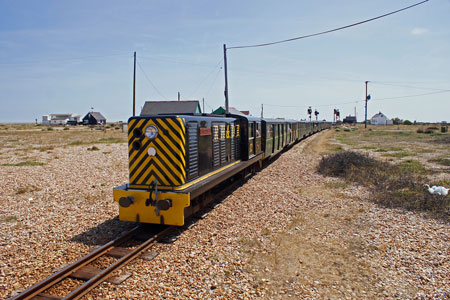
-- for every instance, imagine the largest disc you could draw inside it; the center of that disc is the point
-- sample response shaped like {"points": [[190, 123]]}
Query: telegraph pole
{"points": [[262, 110], [226, 77], [134, 86], [367, 98]]}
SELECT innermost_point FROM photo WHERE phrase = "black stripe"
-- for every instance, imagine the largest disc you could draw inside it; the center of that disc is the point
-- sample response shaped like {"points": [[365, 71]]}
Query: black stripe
{"points": [[172, 151], [179, 125], [134, 124], [131, 140], [152, 173], [170, 137], [156, 175], [170, 169], [180, 138], [179, 169], [173, 129], [164, 175], [135, 158], [143, 171]]}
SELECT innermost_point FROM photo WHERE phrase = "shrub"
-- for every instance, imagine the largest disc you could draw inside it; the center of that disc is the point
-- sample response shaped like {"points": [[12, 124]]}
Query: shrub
{"points": [[341, 164], [407, 122], [420, 130], [390, 185]]}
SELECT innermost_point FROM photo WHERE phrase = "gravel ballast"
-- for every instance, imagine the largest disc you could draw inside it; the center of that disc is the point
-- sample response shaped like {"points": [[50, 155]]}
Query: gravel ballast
{"points": [[286, 233]]}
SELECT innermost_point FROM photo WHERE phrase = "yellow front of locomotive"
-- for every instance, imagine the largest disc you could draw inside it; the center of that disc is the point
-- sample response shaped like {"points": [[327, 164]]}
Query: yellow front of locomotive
{"points": [[157, 169]]}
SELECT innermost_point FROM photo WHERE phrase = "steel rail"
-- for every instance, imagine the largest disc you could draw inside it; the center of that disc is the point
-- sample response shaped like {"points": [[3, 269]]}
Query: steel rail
{"points": [[101, 276], [66, 271]]}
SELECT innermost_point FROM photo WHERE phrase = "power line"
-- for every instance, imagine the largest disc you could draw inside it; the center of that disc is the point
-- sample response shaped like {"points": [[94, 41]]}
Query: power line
{"points": [[148, 79], [357, 101], [409, 96], [409, 86], [73, 59], [206, 77], [156, 58], [328, 31], [212, 83]]}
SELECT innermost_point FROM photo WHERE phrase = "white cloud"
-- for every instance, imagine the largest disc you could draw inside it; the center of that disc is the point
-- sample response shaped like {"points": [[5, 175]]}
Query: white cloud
{"points": [[419, 31]]}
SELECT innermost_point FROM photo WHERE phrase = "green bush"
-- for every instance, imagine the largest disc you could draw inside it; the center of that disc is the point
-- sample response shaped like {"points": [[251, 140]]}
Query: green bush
{"points": [[407, 122]]}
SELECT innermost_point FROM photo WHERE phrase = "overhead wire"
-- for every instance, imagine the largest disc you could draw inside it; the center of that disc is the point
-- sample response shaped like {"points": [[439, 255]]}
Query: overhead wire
{"points": [[148, 79], [328, 31], [212, 83], [409, 86], [357, 101], [53, 60], [156, 58], [206, 77]]}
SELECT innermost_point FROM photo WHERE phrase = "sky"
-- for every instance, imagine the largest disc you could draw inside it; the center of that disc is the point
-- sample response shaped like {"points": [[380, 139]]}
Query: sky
{"points": [[71, 56]]}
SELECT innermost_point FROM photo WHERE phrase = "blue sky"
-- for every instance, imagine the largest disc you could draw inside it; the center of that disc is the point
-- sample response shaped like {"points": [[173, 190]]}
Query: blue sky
{"points": [[69, 56]]}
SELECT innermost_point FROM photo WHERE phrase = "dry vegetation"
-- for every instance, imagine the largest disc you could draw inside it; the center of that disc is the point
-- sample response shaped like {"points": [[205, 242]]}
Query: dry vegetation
{"points": [[288, 233]]}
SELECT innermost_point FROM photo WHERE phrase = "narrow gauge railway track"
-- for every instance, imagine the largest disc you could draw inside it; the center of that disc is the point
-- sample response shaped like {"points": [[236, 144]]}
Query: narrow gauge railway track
{"points": [[210, 200], [127, 255]]}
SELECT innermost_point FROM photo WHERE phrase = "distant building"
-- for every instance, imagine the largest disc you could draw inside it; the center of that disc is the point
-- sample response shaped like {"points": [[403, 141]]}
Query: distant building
{"points": [[94, 118], [152, 108], [380, 119], [221, 111], [349, 120], [60, 119]]}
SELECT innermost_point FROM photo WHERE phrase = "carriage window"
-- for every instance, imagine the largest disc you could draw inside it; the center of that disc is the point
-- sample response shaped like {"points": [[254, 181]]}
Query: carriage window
{"points": [[258, 129], [251, 129], [271, 130]]}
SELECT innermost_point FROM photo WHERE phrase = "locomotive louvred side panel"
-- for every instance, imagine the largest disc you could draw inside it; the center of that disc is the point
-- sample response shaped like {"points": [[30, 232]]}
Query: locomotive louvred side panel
{"points": [[193, 149], [161, 158], [223, 145], [216, 146], [233, 142]]}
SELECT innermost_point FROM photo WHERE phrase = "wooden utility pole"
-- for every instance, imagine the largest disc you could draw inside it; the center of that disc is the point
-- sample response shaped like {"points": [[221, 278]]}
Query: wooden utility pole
{"points": [[134, 86], [226, 77], [365, 118], [179, 96], [262, 110]]}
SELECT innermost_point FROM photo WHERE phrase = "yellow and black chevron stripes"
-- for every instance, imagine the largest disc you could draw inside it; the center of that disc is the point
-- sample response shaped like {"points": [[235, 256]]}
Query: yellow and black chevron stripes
{"points": [[168, 166]]}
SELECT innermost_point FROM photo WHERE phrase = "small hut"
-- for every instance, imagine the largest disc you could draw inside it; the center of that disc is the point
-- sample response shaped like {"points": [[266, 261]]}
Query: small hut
{"points": [[94, 118]]}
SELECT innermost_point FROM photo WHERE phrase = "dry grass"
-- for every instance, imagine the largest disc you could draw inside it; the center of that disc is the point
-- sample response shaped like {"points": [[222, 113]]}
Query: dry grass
{"points": [[21, 140]]}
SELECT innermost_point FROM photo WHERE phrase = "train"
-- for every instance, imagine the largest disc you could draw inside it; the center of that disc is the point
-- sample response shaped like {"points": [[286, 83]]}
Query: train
{"points": [[175, 159]]}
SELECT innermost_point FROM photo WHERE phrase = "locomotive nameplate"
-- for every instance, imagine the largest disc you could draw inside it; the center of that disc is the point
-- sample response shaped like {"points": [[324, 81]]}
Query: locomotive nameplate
{"points": [[205, 131]]}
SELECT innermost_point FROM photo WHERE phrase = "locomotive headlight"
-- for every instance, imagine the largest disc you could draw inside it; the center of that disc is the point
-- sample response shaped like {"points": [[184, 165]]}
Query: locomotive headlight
{"points": [[151, 132]]}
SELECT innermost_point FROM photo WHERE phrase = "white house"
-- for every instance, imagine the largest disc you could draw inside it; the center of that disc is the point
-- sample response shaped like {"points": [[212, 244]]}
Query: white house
{"points": [[60, 119], [380, 119]]}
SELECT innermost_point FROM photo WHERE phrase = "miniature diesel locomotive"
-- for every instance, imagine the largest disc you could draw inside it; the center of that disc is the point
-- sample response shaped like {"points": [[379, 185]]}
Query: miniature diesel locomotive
{"points": [[175, 159]]}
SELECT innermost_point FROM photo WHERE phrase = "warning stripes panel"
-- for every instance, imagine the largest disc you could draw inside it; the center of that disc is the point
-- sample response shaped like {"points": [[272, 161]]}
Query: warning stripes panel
{"points": [[168, 164]]}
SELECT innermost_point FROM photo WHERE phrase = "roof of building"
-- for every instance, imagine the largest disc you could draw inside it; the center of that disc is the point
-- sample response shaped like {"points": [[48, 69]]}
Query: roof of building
{"points": [[96, 115], [232, 110], [170, 107], [379, 114]]}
